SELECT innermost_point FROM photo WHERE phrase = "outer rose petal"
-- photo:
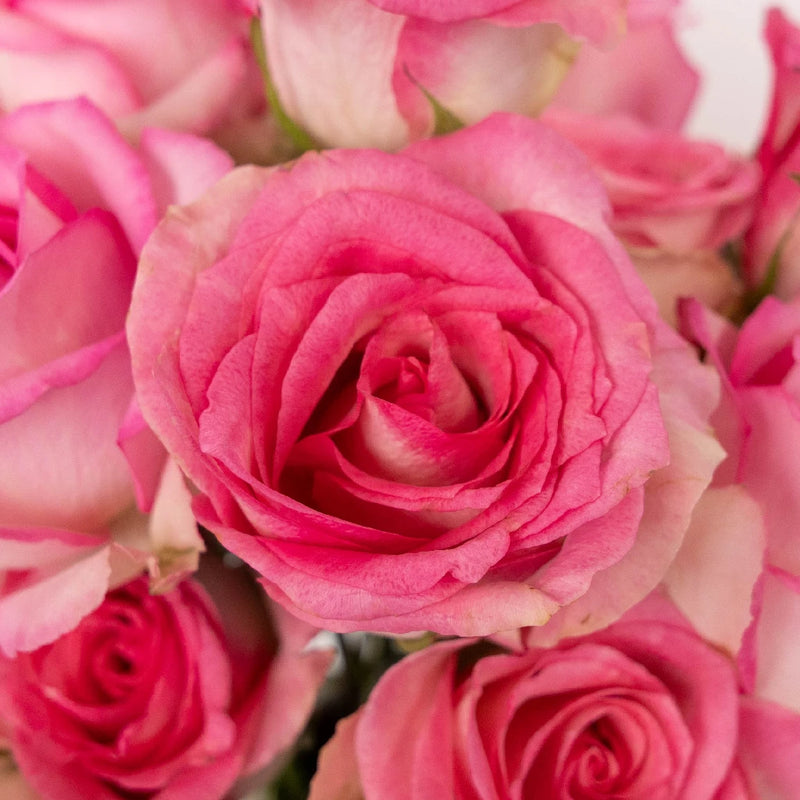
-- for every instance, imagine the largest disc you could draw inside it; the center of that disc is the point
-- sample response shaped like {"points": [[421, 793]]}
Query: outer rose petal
{"points": [[81, 152], [714, 574], [337, 774], [349, 50], [597, 20], [296, 673], [770, 750], [782, 126], [181, 167], [172, 64], [66, 442], [644, 76], [60, 69], [770, 655], [773, 234], [67, 574], [478, 68], [144, 453]]}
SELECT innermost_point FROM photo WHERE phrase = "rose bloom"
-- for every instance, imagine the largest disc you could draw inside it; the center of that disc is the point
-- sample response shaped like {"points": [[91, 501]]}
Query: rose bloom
{"points": [[749, 518], [772, 246], [76, 204], [644, 710], [675, 202], [355, 73], [419, 391], [179, 64], [173, 695]]}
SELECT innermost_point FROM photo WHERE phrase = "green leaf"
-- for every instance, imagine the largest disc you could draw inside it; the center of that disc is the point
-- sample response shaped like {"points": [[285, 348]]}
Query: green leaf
{"points": [[299, 137]]}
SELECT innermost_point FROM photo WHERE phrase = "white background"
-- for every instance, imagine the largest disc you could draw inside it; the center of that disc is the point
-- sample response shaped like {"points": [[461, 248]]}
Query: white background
{"points": [[724, 40]]}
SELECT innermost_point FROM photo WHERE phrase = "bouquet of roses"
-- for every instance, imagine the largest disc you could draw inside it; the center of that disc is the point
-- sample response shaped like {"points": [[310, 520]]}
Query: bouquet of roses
{"points": [[394, 404]]}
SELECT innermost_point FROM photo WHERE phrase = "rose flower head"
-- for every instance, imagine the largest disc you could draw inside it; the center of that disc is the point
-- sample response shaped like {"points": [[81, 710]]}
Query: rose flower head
{"points": [[643, 710], [424, 391], [179, 695]]}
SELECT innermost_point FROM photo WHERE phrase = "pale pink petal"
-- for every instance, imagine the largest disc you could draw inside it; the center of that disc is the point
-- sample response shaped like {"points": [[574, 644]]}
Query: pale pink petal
{"points": [[37, 326], [768, 468], [64, 73], [776, 656], [155, 43], [199, 102], [474, 68], [181, 166], [349, 48], [773, 233], [714, 574], [57, 66], [57, 595], [174, 540], [144, 452], [59, 463]]}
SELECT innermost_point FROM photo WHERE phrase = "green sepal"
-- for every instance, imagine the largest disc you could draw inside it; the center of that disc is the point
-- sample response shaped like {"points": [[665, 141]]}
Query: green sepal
{"points": [[444, 120]]}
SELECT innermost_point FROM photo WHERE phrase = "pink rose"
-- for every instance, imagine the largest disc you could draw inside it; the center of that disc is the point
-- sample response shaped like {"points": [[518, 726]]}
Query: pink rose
{"points": [[422, 391], [772, 245], [675, 202], [738, 573], [179, 64], [354, 73], [76, 204], [170, 695], [645, 75], [644, 710], [666, 191]]}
